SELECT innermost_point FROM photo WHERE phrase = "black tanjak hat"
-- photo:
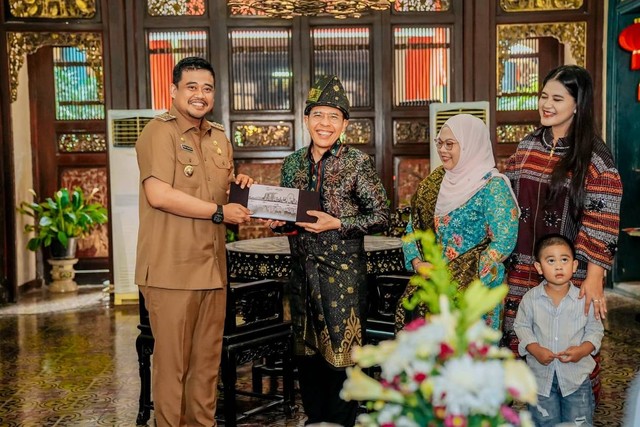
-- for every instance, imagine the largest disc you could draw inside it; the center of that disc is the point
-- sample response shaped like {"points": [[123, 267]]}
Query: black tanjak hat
{"points": [[328, 90]]}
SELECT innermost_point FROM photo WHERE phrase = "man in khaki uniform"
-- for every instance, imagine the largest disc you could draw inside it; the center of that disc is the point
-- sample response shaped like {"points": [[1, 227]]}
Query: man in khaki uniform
{"points": [[186, 166]]}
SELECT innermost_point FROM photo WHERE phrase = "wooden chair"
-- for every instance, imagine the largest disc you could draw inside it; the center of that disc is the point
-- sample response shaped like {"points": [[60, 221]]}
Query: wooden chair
{"points": [[254, 329], [384, 292]]}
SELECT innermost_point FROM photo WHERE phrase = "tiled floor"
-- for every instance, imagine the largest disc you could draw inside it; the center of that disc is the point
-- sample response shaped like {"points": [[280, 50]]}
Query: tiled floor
{"points": [[74, 363]]}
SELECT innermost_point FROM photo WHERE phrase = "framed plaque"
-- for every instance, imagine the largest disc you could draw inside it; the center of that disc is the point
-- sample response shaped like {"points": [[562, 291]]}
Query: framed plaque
{"points": [[278, 203]]}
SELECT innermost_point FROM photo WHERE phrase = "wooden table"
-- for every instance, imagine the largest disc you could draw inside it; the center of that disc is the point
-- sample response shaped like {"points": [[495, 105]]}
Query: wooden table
{"points": [[270, 258]]}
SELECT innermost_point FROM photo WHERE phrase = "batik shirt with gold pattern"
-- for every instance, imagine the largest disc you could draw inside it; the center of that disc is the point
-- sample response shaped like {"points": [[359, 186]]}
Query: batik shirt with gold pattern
{"points": [[329, 268]]}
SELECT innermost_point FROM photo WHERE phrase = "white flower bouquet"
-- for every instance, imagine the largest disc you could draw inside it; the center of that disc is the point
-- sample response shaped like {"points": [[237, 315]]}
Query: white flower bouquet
{"points": [[446, 369]]}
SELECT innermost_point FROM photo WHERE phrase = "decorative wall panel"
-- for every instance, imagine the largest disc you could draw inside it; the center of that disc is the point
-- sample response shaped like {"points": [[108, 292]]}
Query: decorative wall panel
{"points": [[176, 7], [421, 5], [409, 172], [95, 245], [82, 142], [262, 135], [53, 9], [262, 171], [359, 132], [507, 134], [411, 131]]}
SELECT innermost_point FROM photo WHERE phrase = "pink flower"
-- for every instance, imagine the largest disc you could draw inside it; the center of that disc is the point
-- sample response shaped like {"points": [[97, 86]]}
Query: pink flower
{"points": [[419, 377], [476, 350], [451, 253], [440, 411], [416, 324], [510, 415], [388, 425], [457, 239], [446, 219], [445, 351], [455, 421]]}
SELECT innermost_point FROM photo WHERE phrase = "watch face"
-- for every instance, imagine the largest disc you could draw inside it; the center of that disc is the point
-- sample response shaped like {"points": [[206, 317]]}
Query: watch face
{"points": [[218, 217]]}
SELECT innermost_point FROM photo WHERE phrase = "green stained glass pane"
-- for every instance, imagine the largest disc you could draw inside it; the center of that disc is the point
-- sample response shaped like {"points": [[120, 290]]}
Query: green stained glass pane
{"points": [[77, 93]]}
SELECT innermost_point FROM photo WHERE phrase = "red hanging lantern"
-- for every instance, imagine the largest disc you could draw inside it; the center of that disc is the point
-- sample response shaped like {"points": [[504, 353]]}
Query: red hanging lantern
{"points": [[629, 39]]}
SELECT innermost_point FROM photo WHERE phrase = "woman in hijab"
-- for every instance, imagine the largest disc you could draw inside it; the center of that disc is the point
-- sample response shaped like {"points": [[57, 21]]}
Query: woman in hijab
{"points": [[471, 209]]}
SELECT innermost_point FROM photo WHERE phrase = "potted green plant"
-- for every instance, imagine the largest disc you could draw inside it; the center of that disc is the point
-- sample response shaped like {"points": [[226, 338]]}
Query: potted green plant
{"points": [[61, 219]]}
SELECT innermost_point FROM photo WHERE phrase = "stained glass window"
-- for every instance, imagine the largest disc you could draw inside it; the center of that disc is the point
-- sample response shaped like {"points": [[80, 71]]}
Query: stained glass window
{"points": [[421, 65], [166, 48], [345, 52], [77, 92], [518, 89], [261, 69]]}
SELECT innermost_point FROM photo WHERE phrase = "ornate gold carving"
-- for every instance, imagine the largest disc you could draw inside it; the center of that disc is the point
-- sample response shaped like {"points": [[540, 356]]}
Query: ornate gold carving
{"points": [[573, 34], [53, 9], [290, 8], [176, 7], [261, 135], [421, 6], [82, 142], [539, 5], [409, 131], [513, 133], [22, 44], [359, 132]]}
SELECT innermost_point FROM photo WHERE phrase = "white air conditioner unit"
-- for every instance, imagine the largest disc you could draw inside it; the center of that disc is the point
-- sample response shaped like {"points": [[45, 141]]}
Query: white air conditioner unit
{"points": [[124, 126], [439, 113]]}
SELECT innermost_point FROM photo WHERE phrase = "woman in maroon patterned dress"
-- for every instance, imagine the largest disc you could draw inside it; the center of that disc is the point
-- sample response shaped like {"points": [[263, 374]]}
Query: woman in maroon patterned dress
{"points": [[566, 182]]}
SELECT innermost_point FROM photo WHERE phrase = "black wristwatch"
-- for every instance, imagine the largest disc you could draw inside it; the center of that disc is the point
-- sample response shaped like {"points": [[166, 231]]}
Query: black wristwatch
{"points": [[218, 216]]}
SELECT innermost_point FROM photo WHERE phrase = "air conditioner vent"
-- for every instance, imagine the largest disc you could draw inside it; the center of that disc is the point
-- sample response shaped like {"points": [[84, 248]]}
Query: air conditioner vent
{"points": [[126, 130]]}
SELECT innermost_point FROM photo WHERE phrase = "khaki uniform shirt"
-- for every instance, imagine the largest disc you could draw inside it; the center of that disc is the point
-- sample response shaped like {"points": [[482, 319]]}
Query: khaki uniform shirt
{"points": [[176, 252]]}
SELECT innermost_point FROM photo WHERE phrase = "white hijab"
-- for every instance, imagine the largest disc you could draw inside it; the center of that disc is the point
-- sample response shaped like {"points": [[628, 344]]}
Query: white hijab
{"points": [[476, 161]]}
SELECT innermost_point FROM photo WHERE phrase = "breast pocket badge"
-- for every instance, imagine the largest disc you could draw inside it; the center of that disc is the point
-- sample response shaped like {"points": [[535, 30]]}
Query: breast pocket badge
{"points": [[188, 171]]}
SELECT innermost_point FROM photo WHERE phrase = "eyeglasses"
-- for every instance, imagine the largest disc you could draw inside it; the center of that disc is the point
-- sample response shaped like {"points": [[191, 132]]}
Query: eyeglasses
{"points": [[333, 118], [448, 144]]}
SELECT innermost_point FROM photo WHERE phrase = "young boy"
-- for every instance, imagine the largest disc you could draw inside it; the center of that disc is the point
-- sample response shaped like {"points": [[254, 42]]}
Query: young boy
{"points": [[557, 338]]}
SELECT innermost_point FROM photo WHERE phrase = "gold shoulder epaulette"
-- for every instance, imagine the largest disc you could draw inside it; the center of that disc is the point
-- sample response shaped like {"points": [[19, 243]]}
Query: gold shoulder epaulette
{"points": [[165, 117], [217, 125]]}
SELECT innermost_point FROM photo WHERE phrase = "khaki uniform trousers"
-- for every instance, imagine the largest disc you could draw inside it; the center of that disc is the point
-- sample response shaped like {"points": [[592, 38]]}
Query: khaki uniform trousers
{"points": [[187, 326]]}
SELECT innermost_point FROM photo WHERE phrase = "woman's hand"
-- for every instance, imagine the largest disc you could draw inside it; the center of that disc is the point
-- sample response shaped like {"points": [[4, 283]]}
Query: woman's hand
{"points": [[421, 267], [592, 290]]}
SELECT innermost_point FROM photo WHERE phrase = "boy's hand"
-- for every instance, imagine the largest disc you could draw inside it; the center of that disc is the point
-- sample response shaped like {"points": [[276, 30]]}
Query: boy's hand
{"points": [[542, 354], [575, 353]]}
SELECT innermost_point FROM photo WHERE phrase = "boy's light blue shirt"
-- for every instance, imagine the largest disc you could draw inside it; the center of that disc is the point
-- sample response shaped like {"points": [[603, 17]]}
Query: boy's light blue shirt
{"points": [[557, 328]]}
